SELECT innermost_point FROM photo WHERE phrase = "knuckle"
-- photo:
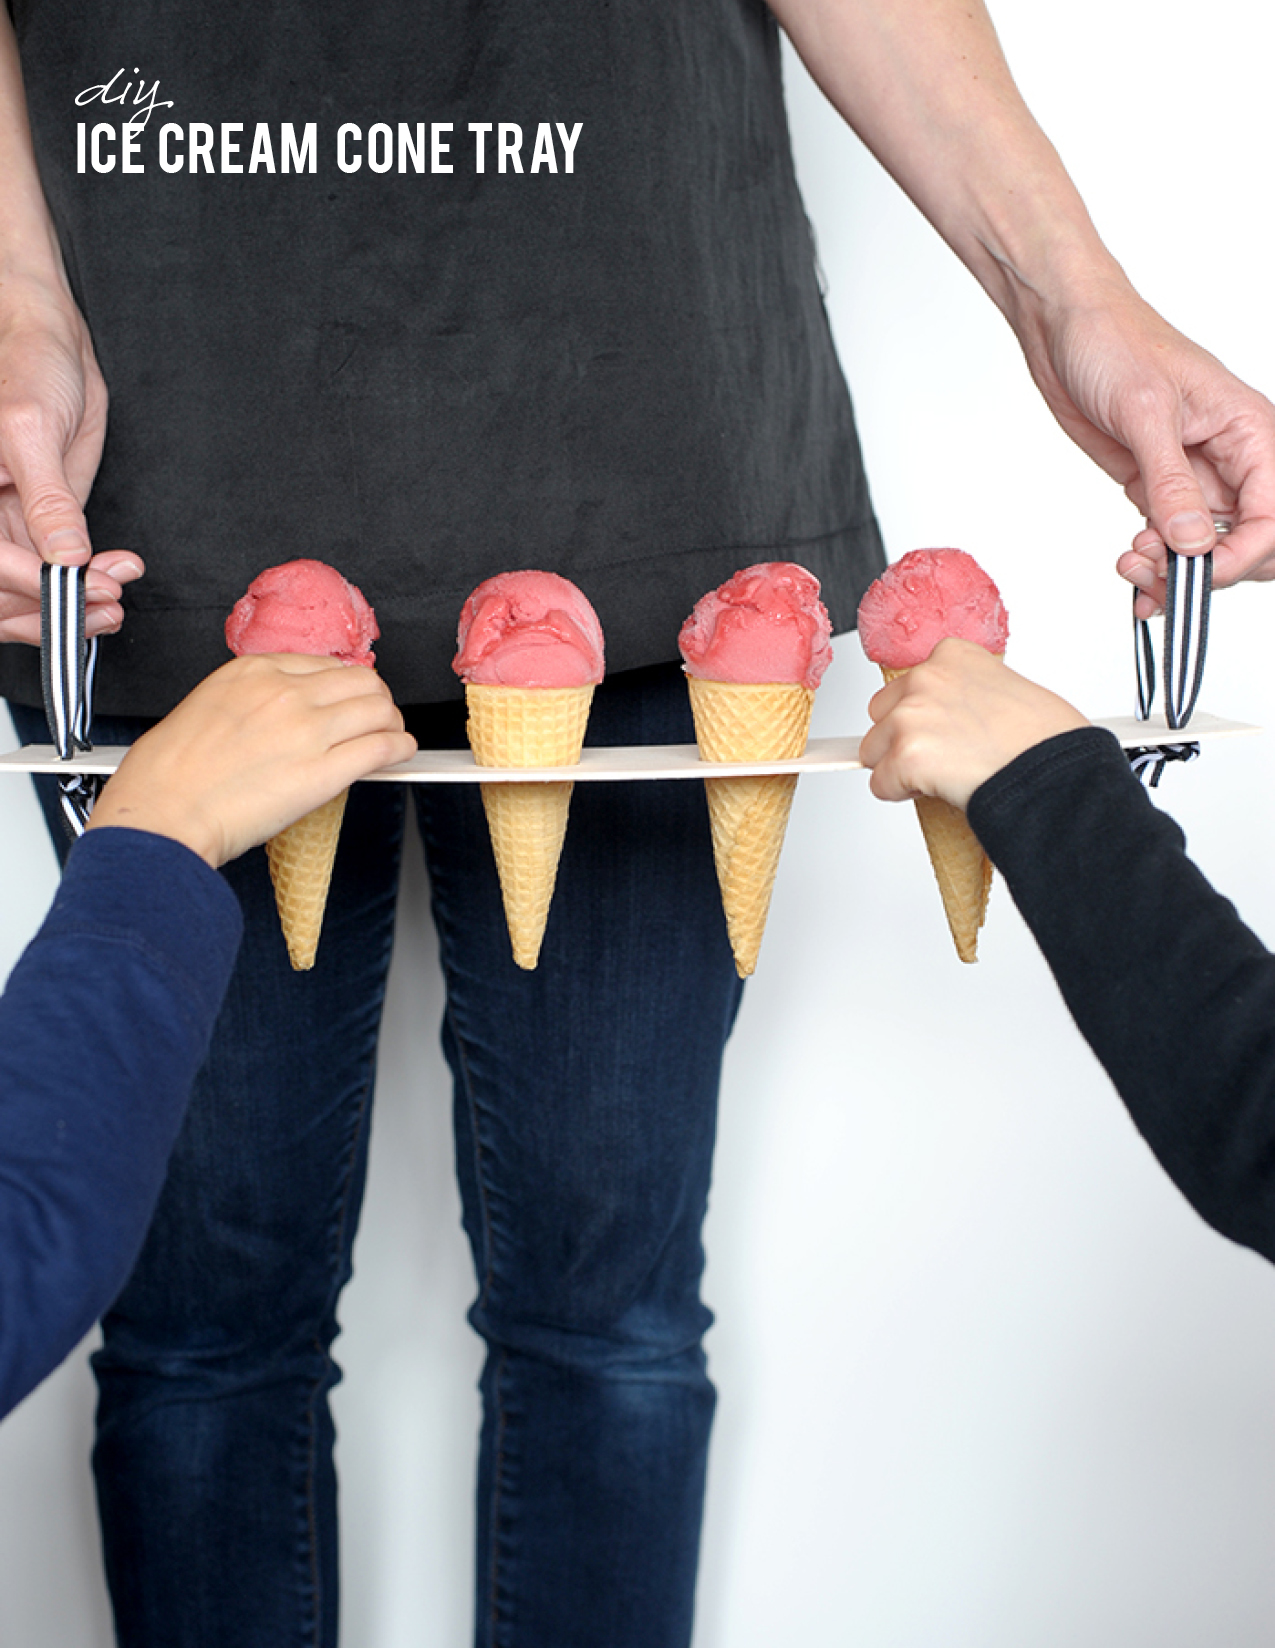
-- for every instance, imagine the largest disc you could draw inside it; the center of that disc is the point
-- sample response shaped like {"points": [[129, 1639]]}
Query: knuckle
{"points": [[26, 433], [1148, 405], [22, 419], [1177, 490], [49, 504]]}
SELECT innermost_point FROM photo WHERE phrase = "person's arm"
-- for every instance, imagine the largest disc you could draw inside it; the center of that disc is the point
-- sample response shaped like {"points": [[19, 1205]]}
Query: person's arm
{"points": [[109, 1011], [103, 1025], [925, 85], [1173, 993], [1170, 989], [52, 399]]}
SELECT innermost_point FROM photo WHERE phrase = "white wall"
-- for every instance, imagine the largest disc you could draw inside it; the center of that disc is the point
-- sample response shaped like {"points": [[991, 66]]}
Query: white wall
{"points": [[985, 1379]]}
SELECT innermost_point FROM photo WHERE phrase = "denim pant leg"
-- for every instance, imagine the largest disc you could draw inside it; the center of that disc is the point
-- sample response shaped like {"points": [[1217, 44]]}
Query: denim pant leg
{"points": [[585, 1114], [214, 1456]]}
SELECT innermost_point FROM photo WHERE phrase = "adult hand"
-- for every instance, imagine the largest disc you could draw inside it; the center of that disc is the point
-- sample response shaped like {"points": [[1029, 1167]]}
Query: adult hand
{"points": [[52, 423], [947, 725], [257, 745], [1185, 438], [927, 88]]}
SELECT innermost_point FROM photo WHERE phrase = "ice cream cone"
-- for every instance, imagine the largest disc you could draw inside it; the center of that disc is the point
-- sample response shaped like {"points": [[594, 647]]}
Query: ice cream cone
{"points": [[301, 868], [749, 722], [512, 727], [963, 870]]}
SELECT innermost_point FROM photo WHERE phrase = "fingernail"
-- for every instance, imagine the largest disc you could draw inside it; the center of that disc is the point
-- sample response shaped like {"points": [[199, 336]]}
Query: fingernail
{"points": [[1143, 577], [65, 545], [126, 570], [1190, 531]]}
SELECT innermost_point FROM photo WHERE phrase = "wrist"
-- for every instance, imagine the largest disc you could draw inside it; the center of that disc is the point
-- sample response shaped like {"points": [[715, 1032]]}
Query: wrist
{"points": [[127, 813], [1039, 258], [31, 288], [29, 246], [1024, 734]]}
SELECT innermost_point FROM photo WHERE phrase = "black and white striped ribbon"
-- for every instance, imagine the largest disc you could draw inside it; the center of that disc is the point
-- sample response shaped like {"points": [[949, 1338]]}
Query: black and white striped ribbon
{"points": [[1143, 758], [1186, 634], [67, 665], [1188, 595]]}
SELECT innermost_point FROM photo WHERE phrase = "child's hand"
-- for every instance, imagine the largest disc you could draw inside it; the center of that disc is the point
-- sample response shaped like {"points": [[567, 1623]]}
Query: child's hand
{"points": [[951, 723], [258, 744]]}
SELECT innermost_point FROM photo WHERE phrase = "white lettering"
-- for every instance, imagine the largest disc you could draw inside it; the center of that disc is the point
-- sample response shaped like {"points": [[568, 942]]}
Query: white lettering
{"points": [[342, 162], [509, 140], [479, 128], [543, 154], [380, 147], [411, 146], [150, 104], [569, 141], [100, 165], [303, 159], [129, 146], [90, 93], [201, 142], [165, 132], [230, 146], [150, 101], [383, 146], [262, 150]]}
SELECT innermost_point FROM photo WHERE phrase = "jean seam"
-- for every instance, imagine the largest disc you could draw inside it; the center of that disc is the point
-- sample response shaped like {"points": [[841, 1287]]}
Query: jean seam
{"points": [[472, 1106], [311, 1518], [336, 1251], [485, 1282], [451, 996], [498, 1478], [483, 1292], [316, 1389]]}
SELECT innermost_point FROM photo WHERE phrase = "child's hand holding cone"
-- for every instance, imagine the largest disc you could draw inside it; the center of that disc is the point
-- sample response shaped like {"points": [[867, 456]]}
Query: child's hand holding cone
{"points": [[944, 728], [257, 745], [304, 607], [925, 597]]}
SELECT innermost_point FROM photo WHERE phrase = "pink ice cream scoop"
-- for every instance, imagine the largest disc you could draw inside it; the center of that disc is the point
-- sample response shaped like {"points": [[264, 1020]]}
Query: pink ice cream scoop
{"points": [[303, 607], [923, 597], [529, 629], [766, 624]]}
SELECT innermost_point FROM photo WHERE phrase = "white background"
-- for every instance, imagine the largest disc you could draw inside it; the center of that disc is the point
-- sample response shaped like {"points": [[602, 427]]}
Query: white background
{"points": [[985, 1378]]}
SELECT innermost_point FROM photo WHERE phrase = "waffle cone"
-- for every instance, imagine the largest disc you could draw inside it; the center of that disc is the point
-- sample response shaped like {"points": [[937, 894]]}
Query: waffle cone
{"points": [[300, 861], [749, 722], [513, 727], [963, 870]]}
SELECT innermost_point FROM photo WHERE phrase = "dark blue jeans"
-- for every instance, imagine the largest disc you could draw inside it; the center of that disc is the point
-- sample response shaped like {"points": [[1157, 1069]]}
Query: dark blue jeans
{"points": [[585, 1098]]}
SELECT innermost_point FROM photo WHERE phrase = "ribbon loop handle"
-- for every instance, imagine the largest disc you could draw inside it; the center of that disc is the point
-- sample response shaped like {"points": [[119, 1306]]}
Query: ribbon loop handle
{"points": [[1187, 599], [68, 664]]}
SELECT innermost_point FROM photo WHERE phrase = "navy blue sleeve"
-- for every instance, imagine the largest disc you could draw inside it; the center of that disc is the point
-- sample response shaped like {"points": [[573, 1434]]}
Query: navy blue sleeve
{"points": [[1174, 994], [103, 1024]]}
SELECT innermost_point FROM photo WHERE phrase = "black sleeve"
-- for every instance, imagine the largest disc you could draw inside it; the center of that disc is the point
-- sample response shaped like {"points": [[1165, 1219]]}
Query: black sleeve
{"points": [[103, 1024], [1174, 994]]}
